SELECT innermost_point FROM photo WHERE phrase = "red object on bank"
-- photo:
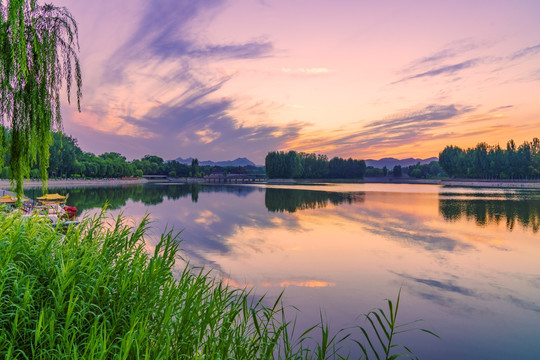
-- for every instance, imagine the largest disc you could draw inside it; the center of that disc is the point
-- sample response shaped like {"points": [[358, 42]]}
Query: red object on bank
{"points": [[71, 211]]}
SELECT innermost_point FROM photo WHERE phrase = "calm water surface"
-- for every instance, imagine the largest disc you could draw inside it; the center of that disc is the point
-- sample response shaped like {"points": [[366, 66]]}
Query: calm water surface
{"points": [[468, 260]]}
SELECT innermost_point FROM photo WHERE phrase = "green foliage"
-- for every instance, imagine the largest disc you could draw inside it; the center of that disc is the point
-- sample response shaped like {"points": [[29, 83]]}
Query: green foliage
{"points": [[67, 160], [290, 165], [195, 167], [64, 156], [376, 172], [154, 165], [397, 171], [38, 52], [96, 293], [382, 330], [5, 173], [493, 162], [426, 171], [347, 169]]}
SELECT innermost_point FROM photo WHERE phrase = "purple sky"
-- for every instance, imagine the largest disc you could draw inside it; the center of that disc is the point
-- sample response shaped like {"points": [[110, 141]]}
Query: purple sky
{"points": [[219, 79]]}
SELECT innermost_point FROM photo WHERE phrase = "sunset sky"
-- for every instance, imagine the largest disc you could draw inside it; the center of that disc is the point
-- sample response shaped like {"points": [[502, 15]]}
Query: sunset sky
{"points": [[217, 79]]}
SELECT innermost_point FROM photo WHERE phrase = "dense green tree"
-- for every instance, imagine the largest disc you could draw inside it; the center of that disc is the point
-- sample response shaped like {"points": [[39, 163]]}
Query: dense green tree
{"points": [[302, 165], [64, 153], [426, 171], [492, 162], [276, 165], [336, 167], [195, 167], [38, 53], [314, 166], [180, 170], [293, 165], [375, 172], [67, 160], [449, 159]]}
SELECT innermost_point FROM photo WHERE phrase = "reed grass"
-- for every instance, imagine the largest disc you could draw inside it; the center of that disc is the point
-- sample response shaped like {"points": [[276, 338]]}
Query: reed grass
{"points": [[94, 292], [384, 329]]}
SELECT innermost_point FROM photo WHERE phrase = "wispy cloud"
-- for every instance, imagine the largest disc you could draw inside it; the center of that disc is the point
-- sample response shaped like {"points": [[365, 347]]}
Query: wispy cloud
{"points": [[531, 50], [413, 126], [443, 62], [430, 116], [448, 52], [443, 70], [204, 129], [182, 112], [501, 108], [163, 34]]}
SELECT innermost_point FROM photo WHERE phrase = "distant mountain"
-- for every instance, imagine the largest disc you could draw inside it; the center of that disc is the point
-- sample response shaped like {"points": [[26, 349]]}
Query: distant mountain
{"points": [[237, 162], [391, 162]]}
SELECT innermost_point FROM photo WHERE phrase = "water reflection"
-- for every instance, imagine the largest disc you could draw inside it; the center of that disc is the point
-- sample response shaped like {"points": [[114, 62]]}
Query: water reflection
{"points": [[343, 248], [525, 212], [276, 200], [291, 200], [87, 198]]}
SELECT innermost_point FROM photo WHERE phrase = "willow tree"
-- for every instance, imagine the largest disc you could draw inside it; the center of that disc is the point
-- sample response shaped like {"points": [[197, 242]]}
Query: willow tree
{"points": [[38, 55]]}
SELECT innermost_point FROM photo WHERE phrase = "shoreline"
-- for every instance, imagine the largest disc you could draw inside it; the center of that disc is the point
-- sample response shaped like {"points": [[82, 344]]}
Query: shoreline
{"points": [[52, 183], [475, 183], [522, 184]]}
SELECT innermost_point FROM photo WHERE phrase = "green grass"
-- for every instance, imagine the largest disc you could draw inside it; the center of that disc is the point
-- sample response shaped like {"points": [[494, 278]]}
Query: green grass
{"points": [[95, 293]]}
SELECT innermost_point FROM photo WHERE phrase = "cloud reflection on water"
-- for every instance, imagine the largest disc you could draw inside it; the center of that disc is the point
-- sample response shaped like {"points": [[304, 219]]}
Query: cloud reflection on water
{"points": [[338, 249], [447, 285]]}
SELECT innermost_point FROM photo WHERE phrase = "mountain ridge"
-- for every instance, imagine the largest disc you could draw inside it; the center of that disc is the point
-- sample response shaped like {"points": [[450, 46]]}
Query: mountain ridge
{"points": [[243, 161], [390, 162]]}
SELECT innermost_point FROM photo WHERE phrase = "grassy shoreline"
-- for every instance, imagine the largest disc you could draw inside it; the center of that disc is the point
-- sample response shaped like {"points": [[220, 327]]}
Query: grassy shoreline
{"points": [[96, 293]]}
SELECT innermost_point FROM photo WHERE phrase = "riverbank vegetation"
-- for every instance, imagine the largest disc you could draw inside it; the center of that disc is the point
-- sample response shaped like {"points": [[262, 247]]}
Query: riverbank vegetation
{"points": [[68, 160], [493, 162], [298, 165], [96, 293]]}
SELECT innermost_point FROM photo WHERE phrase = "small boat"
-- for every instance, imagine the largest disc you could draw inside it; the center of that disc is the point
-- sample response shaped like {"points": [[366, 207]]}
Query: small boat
{"points": [[53, 205]]}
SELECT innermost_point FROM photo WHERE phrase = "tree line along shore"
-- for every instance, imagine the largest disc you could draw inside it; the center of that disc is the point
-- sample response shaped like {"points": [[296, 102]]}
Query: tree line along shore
{"points": [[483, 165]]}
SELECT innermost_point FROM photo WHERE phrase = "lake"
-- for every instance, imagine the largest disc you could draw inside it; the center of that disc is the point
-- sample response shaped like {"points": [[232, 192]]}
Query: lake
{"points": [[467, 260]]}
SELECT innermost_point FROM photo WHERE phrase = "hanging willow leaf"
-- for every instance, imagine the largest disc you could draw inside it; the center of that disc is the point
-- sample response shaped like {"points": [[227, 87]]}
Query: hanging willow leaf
{"points": [[38, 51]]}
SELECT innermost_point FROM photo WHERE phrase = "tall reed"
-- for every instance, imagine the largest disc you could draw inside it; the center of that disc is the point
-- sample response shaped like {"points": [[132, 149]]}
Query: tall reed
{"points": [[95, 293]]}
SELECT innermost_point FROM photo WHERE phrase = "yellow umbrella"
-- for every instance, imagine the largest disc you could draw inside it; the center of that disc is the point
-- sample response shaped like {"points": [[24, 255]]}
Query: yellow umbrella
{"points": [[8, 199], [52, 197]]}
